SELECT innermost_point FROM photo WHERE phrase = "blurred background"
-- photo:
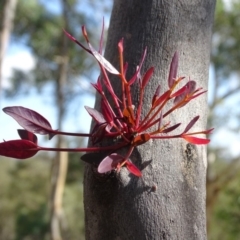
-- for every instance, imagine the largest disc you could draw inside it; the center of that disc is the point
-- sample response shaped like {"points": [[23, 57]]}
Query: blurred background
{"points": [[41, 69]]}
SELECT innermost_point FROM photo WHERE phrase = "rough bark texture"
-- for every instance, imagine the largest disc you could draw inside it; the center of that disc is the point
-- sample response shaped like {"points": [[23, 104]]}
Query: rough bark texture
{"points": [[168, 202]]}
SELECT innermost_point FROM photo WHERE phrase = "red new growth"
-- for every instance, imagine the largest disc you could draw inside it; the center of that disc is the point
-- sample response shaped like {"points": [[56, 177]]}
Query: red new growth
{"points": [[120, 123]]}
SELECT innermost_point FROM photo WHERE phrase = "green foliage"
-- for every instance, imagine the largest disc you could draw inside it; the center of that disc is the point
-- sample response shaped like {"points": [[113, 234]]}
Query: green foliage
{"points": [[226, 217], [24, 191], [226, 41], [225, 113]]}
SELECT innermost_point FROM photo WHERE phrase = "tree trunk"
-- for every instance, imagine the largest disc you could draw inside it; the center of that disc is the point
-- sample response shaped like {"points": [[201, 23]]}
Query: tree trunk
{"points": [[168, 202], [60, 163], [7, 12]]}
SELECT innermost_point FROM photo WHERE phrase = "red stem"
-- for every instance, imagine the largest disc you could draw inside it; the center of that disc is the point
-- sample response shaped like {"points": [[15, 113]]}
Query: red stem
{"points": [[89, 149]]}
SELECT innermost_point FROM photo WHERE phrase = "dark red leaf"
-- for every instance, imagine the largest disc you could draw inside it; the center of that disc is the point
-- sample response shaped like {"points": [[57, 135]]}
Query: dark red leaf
{"points": [[173, 70], [95, 114], [20, 149], [109, 163], [195, 140], [30, 120], [186, 90], [99, 132], [147, 77], [24, 134], [170, 129], [190, 124], [133, 169], [191, 86]]}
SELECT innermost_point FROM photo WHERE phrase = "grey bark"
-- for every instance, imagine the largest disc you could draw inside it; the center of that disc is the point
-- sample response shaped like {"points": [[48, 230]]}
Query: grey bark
{"points": [[168, 202]]}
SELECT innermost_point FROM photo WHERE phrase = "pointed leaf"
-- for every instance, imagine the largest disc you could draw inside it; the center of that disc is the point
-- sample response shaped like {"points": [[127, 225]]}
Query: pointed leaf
{"points": [[133, 169], [20, 149], [95, 114], [76, 41], [190, 124], [24, 134], [99, 132], [156, 94], [133, 79], [181, 91], [173, 70], [141, 139], [101, 38], [103, 61], [109, 163], [195, 140], [208, 131], [191, 86], [160, 120], [147, 77], [161, 99], [170, 129], [30, 120]]}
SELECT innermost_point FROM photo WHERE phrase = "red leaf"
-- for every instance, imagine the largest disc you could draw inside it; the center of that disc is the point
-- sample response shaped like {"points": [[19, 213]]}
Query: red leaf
{"points": [[147, 77], [208, 131], [76, 41], [30, 120], [195, 140], [24, 134], [190, 124], [182, 91], [103, 61], [101, 39], [170, 129], [141, 139], [99, 132], [133, 169], [98, 85], [95, 114], [109, 163], [161, 99], [134, 77], [173, 70], [20, 149], [156, 95]]}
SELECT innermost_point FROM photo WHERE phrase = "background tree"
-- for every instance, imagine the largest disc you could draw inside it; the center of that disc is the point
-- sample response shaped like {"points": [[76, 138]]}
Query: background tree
{"points": [[224, 166], [7, 12], [122, 206], [40, 29]]}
